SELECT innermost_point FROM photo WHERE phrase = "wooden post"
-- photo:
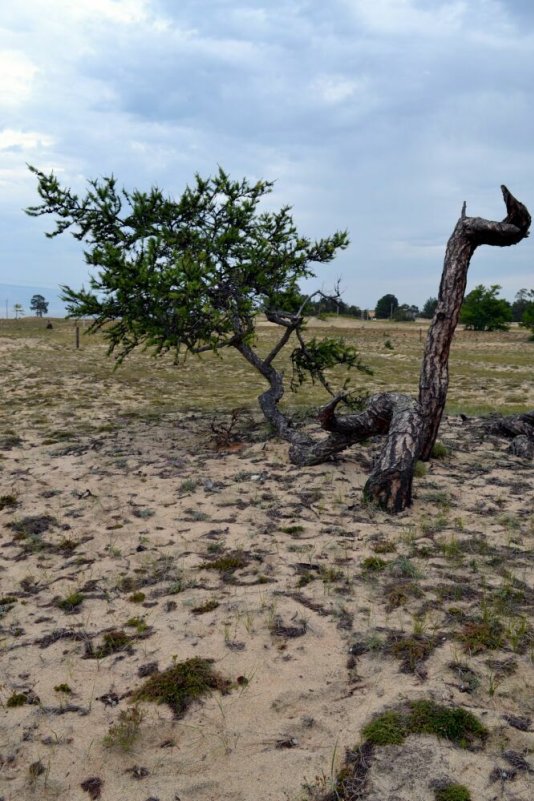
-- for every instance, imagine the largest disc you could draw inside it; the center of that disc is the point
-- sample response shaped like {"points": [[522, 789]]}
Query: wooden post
{"points": [[77, 329]]}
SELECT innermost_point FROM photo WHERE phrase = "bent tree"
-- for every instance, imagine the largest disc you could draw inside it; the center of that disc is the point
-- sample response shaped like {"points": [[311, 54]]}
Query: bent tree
{"points": [[191, 275]]}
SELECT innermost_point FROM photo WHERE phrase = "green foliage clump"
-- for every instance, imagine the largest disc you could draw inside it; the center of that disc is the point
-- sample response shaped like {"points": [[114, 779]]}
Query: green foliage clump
{"points": [[296, 529], [228, 563], [439, 451], [374, 564], [482, 310], [386, 729], [452, 792], [523, 310], [209, 606], [191, 275], [425, 717], [452, 723], [137, 623], [419, 470], [17, 699], [182, 684], [39, 305], [32, 525], [70, 602], [429, 308], [137, 597], [112, 642], [386, 306], [312, 358], [7, 602], [482, 635], [412, 650], [123, 734], [63, 688], [8, 502]]}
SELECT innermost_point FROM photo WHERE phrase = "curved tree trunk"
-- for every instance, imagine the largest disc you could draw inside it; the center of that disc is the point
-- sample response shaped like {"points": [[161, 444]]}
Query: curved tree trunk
{"points": [[412, 427], [469, 233]]}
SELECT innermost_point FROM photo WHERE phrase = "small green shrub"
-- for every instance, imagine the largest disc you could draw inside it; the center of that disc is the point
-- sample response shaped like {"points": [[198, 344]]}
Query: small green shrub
{"points": [[8, 502], [425, 717], [63, 688], [374, 564], [439, 451], [419, 470], [209, 606], [137, 597], [482, 635], [123, 734], [112, 642], [384, 546], [7, 602], [137, 623], [296, 529], [386, 729], [452, 792], [182, 684], [70, 602], [452, 723], [228, 563], [17, 699]]}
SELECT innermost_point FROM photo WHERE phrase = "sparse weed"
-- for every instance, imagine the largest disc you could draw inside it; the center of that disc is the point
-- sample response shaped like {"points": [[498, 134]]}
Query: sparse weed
{"points": [[123, 734]]}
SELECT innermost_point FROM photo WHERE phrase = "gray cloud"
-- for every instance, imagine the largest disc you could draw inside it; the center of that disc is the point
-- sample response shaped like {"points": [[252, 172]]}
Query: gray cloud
{"points": [[380, 116]]}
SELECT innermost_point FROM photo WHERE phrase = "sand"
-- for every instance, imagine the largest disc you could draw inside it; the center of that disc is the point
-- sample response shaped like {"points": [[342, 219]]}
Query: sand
{"points": [[133, 516]]}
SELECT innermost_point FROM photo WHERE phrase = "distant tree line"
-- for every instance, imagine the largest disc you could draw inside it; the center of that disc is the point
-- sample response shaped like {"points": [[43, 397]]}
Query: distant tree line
{"points": [[333, 304]]}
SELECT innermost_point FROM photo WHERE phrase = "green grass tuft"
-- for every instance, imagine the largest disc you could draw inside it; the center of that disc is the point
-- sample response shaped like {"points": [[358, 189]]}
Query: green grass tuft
{"points": [[425, 717], [452, 792], [182, 684], [70, 602]]}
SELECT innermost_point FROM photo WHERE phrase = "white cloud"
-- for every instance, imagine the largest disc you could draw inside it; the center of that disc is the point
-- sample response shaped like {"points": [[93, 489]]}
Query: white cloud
{"points": [[333, 89], [17, 72], [402, 17], [381, 116], [24, 140], [123, 12]]}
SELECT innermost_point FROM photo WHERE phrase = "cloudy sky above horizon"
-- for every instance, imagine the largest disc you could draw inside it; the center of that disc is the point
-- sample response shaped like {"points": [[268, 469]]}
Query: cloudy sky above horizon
{"points": [[378, 116]]}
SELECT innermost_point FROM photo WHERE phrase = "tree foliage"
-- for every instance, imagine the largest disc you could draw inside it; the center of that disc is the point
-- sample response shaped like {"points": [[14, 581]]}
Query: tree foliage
{"points": [[386, 306], [482, 310], [191, 275], [429, 308], [525, 297], [39, 305], [406, 313]]}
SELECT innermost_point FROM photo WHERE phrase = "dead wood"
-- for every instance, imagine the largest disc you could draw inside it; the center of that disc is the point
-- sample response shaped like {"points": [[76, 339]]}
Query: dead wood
{"points": [[410, 427]]}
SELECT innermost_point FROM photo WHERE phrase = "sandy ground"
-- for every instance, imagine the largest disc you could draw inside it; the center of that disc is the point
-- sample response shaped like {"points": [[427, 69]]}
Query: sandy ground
{"points": [[327, 613]]}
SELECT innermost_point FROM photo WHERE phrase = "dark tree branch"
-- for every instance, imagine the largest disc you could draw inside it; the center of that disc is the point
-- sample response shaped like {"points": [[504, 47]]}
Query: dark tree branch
{"points": [[411, 427], [469, 233]]}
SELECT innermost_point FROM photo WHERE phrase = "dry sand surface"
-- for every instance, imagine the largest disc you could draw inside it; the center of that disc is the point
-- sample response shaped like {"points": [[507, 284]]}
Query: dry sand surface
{"points": [[148, 541]]}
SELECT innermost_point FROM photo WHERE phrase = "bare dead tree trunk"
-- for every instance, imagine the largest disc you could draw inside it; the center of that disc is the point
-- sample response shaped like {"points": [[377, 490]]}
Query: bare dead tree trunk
{"points": [[411, 427], [469, 233]]}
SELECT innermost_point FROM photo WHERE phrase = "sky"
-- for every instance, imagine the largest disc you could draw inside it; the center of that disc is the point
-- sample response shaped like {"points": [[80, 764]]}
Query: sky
{"points": [[376, 116]]}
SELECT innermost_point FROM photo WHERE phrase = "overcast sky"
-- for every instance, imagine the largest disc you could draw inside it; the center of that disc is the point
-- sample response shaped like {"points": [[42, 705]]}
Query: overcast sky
{"points": [[379, 116]]}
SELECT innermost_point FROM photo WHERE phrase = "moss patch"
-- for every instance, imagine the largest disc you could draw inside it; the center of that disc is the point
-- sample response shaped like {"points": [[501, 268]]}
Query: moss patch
{"points": [[182, 684], [228, 563], [452, 792], [426, 717]]}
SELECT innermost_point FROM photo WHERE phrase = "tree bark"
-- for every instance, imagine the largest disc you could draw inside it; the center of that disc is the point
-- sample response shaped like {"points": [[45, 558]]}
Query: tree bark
{"points": [[410, 426], [468, 234]]}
